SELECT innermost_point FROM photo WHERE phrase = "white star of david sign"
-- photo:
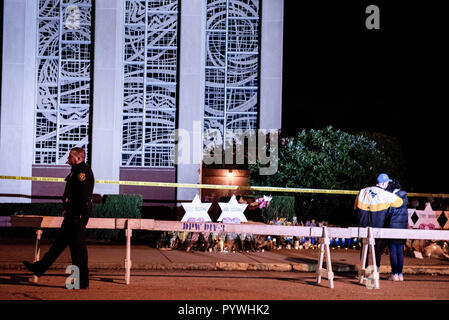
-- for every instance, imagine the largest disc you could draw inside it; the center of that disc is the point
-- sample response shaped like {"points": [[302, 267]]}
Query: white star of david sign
{"points": [[232, 212], [426, 218], [196, 211]]}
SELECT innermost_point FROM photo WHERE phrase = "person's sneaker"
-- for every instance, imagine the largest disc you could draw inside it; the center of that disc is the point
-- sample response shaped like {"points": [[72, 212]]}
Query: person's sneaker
{"points": [[401, 277], [393, 277], [32, 267]]}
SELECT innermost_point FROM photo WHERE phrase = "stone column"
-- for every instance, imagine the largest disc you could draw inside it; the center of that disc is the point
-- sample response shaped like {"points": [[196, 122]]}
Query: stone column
{"points": [[18, 97], [107, 94], [191, 90], [270, 90]]}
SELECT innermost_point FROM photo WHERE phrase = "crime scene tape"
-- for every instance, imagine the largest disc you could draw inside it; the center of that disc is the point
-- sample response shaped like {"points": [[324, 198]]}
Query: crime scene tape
{"points": [[215, 186]]}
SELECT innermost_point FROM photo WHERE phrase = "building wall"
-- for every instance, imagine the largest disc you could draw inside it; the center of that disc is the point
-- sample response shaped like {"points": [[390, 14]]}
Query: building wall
{"points": [[191, 91], [152, 196], [271, 64], [19, 94], [48, 191], [107, 91], [234, 177]]}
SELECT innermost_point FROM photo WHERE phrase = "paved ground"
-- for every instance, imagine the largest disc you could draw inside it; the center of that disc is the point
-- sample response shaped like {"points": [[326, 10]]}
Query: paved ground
{"points": [[112, 257], [218, 285], [159, 274]]}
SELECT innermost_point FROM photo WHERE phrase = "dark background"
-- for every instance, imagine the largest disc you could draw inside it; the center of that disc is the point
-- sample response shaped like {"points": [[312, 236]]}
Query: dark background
{"points": [[393, 80]]}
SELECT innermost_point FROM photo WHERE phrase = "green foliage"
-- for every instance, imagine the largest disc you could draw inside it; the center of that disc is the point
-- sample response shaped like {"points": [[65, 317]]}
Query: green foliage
{"points": [[47, 209], [119, 206], [329, 159], [115, 206], [53, 209], [280, 207], [391, 148]]}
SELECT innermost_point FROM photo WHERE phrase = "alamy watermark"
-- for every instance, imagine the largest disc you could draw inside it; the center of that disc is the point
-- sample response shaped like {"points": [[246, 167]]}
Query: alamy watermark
{"points": [[236, 147], [74, 17], [72, 281], [372, 281], [372, 22]]}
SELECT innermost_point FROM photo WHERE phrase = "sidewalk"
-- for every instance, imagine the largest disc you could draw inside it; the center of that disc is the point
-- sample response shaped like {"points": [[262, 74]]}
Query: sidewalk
{"points": [[112, 257]]}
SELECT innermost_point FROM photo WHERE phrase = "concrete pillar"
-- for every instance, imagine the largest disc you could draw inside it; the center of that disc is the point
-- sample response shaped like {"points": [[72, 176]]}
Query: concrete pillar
{"points": [[191, 90], [107, 94], [270, 90], [18, 97]]}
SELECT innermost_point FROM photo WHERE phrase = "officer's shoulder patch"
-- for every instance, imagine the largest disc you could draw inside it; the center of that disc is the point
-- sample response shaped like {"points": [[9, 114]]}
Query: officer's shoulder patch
{"points": [[81, 176]]}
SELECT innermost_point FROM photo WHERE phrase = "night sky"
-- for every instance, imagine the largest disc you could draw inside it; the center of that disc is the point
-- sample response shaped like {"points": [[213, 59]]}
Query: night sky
{"points": [[393, 80]]}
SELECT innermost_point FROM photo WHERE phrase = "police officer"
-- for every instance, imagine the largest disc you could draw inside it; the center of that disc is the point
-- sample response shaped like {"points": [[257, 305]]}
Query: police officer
{"points": [[77, 202]]}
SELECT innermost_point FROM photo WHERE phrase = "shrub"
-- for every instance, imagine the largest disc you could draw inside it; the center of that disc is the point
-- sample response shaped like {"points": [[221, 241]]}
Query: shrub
{"points": [[42, 209], [113, 206], [280, 207], [53, 209], [329, 159]]}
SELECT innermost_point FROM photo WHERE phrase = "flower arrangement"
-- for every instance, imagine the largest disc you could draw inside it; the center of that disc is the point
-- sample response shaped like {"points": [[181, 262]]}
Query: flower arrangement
{"points": [[429, 226], [264, 202]]}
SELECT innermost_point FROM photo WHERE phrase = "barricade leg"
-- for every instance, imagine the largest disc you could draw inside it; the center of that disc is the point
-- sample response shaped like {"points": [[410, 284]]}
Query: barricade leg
{"points": [[330, 273], [370, 272], [320, 262], [363, 260], [37, 250], [128, 253], [325, 250]]}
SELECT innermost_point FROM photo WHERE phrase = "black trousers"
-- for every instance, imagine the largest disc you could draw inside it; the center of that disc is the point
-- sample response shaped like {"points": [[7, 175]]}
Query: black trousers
{"points": [[72, 234]]}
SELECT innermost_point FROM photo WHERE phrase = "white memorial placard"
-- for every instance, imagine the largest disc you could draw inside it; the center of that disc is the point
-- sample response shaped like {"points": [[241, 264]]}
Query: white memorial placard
{"points": [[232, 211], [423, 219], [196, 211]]}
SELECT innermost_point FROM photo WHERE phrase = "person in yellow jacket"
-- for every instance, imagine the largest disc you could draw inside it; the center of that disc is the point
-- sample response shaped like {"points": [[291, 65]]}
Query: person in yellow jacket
{"points": [[372, 204]]}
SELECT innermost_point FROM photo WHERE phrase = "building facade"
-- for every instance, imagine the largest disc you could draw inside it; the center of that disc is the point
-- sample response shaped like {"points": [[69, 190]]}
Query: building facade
{"points": [[121, 78]]}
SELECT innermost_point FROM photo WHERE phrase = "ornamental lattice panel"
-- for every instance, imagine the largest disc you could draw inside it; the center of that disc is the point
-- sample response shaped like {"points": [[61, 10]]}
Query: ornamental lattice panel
{"points": [[149, 92], [231, 70], [63, 79]]}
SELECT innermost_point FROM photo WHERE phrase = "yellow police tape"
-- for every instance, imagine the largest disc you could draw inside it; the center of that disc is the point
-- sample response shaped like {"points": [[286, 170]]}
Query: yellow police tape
{"points": [[215, 186]]}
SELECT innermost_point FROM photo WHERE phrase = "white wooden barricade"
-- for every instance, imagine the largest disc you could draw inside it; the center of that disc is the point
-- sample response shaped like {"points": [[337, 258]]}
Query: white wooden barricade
{"points": [[370, 234], [128, 262], [324, 233], [42, 222], [37, 249], [370, 272], [324, 250]]}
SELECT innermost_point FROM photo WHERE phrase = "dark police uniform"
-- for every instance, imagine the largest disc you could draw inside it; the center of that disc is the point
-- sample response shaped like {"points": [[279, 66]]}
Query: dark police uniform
{"points": [[77, 201]]}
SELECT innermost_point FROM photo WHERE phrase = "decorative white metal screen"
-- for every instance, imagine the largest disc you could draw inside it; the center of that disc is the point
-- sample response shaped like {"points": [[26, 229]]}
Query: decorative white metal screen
{"points": [[232, 59], [63, 79], [149, 92]]}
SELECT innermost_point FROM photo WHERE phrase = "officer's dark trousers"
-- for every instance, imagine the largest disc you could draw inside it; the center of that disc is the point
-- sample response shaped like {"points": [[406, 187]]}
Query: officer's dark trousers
{"points": [[72, 234]]}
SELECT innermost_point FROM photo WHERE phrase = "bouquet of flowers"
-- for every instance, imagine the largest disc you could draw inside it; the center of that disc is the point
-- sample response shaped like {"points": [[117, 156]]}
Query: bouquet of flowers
{"points": [[264, 202]]}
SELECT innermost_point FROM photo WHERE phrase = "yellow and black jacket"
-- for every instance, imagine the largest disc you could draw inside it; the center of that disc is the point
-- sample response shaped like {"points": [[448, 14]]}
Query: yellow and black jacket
{"points": [[372, 204]]}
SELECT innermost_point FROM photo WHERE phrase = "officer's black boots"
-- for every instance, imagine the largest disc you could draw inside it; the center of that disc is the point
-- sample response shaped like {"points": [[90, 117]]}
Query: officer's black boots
{"points": [[33, 268]]}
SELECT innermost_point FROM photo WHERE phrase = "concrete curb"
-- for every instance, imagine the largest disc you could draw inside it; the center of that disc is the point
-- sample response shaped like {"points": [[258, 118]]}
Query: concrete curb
{"points": [[240, 266]]}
